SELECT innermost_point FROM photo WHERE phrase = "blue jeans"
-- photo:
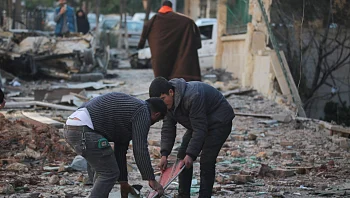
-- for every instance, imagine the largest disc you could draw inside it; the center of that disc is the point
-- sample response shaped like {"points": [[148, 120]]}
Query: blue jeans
{"points": [[102, 160]]}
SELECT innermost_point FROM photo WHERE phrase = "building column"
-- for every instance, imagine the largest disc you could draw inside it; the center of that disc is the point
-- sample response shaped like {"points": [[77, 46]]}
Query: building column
{"points": [[192, 9], [221, 16]]}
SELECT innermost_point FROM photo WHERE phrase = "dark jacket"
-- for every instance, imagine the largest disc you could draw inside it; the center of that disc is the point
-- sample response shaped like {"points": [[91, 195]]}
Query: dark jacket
{"points": [[174, 40], [82, 23], [199, 107]]}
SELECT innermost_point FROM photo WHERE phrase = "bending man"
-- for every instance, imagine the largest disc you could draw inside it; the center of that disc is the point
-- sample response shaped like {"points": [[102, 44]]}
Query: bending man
{"points": [[206, 115], [119, 118]]}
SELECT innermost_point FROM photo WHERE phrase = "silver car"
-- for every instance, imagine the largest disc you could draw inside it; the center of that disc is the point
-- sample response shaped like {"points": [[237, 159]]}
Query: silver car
{"points": [[111, 28]]}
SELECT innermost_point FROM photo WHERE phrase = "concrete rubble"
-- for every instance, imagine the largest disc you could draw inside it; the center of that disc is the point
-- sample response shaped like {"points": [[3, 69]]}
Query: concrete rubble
{"points": [[263, 156]]}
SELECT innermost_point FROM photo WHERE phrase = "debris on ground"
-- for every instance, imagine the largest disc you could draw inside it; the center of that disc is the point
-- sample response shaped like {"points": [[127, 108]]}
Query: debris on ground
{"points": [[269, 153]]}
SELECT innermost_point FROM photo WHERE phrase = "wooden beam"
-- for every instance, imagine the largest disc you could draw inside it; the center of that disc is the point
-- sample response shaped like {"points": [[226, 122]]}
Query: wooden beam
{"points": [[37, 103], [286, 82], [42, 119]]}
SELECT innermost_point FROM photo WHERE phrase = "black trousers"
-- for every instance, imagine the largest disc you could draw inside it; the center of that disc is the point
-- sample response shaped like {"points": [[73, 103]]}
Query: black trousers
{"points": [[210, 150]]}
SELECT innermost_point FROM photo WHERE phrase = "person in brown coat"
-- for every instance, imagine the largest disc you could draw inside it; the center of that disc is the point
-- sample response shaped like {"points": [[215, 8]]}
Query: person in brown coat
{"points": [[174, 40]]}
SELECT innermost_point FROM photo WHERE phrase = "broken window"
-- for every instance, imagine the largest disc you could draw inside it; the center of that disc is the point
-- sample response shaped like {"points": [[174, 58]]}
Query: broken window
{"points": [[206, 32], [237, 16]]}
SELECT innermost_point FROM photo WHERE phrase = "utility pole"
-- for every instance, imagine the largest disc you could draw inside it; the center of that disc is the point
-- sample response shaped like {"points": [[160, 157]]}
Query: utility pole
{"points": [[17, 15], [120, 34], [126, 35], [148, 9], [98, 4]]}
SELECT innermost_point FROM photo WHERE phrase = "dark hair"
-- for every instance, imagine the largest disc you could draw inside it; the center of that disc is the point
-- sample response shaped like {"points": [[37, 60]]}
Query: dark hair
{"points": [[159, 86], [157, 105], [82, 11], [168, 3]]}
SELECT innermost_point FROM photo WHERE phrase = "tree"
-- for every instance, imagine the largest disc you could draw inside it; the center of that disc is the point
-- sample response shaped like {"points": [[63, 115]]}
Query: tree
{"points": [[148, 9], [315, 38], [33, 4]]}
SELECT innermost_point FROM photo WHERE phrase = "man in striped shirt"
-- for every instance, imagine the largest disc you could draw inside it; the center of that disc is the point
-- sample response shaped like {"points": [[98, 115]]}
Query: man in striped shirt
{"points": [[119, 118]]}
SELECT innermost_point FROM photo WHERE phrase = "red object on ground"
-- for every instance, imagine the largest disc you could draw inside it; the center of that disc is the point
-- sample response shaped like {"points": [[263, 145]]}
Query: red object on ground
{"points": [[168, 176]]}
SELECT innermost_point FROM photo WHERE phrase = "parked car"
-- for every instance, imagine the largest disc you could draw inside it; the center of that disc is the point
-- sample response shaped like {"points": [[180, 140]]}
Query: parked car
{"points": [[208, 29], [140, 16], [111, 28], [92, 20]]}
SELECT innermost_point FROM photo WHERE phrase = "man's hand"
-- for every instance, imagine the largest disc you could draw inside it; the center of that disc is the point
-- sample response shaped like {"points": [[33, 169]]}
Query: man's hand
{"points": [[163, 163], [63, 10], [125, 189], [2, 104], [188, 161], [156, 186]]}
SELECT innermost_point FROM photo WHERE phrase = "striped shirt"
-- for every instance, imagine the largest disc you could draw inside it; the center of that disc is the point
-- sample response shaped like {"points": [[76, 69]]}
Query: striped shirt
{"points": [[121, 118]]}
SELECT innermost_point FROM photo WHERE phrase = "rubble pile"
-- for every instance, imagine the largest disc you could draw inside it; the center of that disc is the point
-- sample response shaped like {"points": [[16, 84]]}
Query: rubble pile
{"points": [[25, 140], [263, 156]]}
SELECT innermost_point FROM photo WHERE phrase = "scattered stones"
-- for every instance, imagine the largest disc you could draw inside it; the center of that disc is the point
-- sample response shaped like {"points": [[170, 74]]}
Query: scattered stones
{"points": [[220, 159], [222, 153], [265, 171], [240, 157], [54, 179], [238, 137], [62, 182], [220, 179], [252, 137], [236, 153], [155, 152], [286, 143], [288, 155], [6, 189], [283, 172], [17, 167], [61, 168], [153, 142], [261, 155], [334, 154], [241, 179], [216, 188], [341, 142], [264, 145], [32, 153]]}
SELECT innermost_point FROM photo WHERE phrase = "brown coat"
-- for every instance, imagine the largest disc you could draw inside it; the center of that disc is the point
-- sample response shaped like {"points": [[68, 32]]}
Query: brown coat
{"points": [[174, 40]]}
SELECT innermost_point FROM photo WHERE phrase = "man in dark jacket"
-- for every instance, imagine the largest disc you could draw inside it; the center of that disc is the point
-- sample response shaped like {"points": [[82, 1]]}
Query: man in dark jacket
{"points": [[119, 118], [174, 40], [206, 115]]}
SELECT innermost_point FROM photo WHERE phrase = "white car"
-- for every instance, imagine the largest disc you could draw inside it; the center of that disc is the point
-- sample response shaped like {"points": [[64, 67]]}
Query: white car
{"points": [[92, 20], [140, 16], [208, 29]]}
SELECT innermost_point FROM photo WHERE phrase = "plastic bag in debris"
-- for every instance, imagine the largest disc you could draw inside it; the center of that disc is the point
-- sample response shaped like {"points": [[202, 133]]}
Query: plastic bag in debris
{"points": [[79, 163]]}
